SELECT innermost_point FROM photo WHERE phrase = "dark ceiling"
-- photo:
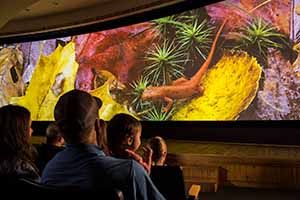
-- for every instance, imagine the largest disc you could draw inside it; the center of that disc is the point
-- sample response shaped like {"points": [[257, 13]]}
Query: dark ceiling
{"points": [[38, 19]]}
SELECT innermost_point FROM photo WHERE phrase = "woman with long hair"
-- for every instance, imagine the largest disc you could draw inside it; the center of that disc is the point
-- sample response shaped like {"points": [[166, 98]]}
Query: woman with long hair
{"points": [[16, 153]]}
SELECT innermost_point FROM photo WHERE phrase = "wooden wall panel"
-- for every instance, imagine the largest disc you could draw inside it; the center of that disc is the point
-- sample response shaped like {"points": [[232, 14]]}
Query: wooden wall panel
{"points": [[272, 167]]}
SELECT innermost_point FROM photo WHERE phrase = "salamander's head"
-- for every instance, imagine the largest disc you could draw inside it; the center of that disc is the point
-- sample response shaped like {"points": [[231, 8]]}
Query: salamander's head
{"points": [[150, 93], [146, 94]]}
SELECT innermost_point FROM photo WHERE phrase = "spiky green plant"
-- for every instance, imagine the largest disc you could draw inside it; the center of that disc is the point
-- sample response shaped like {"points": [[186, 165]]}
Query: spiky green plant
{"points": [[259, 35], [164, 64], [195, 38], [157, 114], [138, 86], [166, 25], [191, 16]]}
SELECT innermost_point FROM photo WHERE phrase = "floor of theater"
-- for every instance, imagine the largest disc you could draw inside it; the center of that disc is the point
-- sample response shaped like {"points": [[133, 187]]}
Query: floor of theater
{"points": [[250, 194]]}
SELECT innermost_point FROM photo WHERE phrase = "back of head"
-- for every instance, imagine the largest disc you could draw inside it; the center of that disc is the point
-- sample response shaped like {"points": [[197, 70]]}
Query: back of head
{"points": [[14, 132], [119, 127], [159, 148], [75, 113], [52, 133]]}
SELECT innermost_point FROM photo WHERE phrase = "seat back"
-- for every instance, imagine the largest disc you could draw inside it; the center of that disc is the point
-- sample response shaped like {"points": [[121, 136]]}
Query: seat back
{"points": [[169, 181], [29, 188]]}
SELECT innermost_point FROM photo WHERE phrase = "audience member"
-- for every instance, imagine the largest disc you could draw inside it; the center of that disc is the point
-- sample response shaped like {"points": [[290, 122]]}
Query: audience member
{"points": [[54, 144], [82, 163], [124, 138], [159, 148], [16, 152]]}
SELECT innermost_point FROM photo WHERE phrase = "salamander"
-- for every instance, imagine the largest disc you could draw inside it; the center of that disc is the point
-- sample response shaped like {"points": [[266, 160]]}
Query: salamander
{"points": [[182, 88]]}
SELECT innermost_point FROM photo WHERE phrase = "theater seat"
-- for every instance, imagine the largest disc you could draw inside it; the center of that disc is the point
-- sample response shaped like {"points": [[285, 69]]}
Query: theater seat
{"points": [[31, 189], [169, 181]]}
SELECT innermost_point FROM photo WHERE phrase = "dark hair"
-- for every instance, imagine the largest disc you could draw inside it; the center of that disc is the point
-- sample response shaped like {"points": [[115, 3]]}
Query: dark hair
{"points": [[120, 126], [156, 144], [14, 133], [52, 133], [75, 113]]}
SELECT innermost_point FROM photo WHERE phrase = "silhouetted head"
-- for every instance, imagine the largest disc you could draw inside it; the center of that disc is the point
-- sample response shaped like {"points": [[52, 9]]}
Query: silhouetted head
{"points": [[159, 148], [54, 135], [75, 113], [123, 132], [15, 131]]}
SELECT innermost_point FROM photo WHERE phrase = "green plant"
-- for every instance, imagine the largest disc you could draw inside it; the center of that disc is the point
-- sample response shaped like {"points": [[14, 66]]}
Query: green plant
{"points": [[258, 34], [157, 114], [166, 25], [190, 16], [195, 38], [164, 64], [138, 86]]}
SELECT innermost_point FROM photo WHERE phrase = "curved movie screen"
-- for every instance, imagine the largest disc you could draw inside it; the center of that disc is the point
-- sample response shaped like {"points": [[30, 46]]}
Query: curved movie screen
{"points": [[233, 60]]}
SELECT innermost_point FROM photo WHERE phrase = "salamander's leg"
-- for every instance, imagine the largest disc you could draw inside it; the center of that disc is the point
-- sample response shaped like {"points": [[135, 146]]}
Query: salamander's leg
{"points": [[170, 102], [200, 90], [179, 81]]}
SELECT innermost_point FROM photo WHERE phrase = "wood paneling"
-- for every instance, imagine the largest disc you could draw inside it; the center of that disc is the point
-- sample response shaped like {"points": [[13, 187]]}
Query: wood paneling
{"points": [[243, 165], [214, 165]]}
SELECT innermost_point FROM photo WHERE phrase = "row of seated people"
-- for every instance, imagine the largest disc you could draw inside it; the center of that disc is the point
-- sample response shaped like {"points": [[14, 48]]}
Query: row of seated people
{"points": [[162, 176], [95, 157], [122, 145]]}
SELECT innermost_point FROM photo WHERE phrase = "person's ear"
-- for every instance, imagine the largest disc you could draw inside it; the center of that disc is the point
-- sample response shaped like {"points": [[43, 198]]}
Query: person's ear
{"points": [[61, 140], [97, 125], [129, 140], [98, 129], [164, 153]]}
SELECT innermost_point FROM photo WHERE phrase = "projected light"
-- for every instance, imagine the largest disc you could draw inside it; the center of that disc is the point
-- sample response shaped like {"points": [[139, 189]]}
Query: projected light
{"points": [[233, 60]]}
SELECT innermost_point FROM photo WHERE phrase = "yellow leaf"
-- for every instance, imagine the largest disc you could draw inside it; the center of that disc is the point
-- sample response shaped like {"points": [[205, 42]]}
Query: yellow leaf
{"points": [[230, 87], [11, 86], [109, 106], [53, 76]]}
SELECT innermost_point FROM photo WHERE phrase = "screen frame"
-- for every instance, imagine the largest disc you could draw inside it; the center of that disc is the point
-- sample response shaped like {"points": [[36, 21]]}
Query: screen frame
{"points": [[252, 132], [108, 24]]}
